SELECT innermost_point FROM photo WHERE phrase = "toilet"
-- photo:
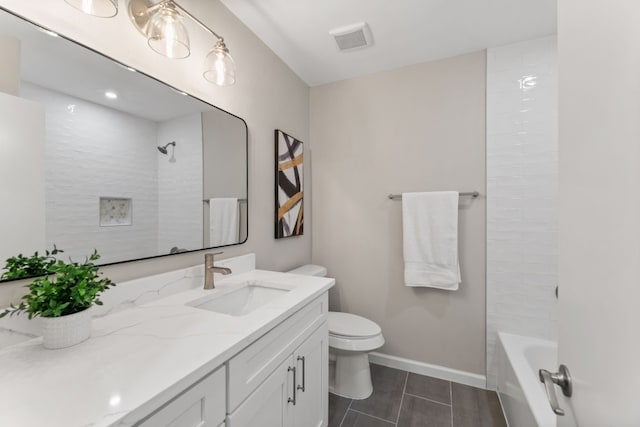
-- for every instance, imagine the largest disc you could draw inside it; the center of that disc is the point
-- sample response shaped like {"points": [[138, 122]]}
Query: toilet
{"points": [[351, 338]]}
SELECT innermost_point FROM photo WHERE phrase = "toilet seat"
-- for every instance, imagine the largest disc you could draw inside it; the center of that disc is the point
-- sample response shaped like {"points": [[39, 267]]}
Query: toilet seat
{"points": [[351, 332], [351, 325]]}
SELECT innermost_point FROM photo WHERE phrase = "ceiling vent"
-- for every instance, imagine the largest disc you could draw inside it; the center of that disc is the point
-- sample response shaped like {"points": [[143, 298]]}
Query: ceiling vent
{"points": [[352, 37]]}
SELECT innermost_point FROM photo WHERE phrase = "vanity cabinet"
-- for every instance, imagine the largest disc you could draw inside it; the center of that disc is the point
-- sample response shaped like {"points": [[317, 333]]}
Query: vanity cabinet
{"points": [[282, 378], [295, 394]]}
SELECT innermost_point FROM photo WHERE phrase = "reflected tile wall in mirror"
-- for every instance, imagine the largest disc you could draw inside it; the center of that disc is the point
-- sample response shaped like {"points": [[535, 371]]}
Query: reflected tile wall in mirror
{"points": [[110, 133]]}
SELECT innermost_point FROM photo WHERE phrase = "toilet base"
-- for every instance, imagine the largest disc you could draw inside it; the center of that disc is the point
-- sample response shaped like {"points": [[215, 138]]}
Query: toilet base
{"points": [[351, 376]]}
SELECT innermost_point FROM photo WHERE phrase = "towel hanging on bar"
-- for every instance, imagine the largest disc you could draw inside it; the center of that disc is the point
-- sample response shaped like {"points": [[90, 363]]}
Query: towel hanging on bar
{"points": [[430, 239]]}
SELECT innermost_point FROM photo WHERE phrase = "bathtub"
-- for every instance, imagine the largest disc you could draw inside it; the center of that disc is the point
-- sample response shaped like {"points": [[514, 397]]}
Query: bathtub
{"points": [[522, 395]]}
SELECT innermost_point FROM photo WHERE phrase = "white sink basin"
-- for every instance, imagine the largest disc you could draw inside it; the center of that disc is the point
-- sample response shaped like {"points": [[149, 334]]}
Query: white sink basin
{"points": [[241, 301]]}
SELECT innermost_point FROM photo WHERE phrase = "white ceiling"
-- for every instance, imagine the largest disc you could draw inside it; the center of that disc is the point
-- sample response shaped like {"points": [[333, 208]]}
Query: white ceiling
{"points": [[405, 32], [63, 66]]}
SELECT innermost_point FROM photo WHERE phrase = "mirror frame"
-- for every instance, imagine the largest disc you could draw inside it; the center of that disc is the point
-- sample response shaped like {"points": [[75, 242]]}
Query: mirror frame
{"points": [[128, 67]]}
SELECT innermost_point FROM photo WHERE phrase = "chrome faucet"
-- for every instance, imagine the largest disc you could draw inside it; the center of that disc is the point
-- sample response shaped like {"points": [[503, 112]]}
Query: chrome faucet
{"points": [[209, 269]]}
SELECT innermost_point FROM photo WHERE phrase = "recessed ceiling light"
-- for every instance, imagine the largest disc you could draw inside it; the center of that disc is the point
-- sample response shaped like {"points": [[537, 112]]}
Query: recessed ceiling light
{"points": [[111, 95]]}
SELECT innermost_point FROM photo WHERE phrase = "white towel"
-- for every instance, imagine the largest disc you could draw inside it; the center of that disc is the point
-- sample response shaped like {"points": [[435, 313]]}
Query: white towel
{"points": [[223, 221], [430, 239]]}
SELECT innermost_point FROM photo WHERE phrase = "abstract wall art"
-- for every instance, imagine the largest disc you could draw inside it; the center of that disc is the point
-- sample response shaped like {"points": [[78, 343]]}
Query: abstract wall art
{"points": [[289, 186]]}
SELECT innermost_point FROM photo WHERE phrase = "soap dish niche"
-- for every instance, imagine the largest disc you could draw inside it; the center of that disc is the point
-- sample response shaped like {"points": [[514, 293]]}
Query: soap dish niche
{"points": [[115, 211]]}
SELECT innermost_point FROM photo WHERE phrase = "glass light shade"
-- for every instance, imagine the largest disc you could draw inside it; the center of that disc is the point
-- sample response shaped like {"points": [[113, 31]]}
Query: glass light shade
{"points": [[99, 8], [167, 34], [219, 67]]}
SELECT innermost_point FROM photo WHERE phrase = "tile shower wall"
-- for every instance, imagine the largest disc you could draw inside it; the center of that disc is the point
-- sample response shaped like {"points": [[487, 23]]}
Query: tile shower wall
{"points": [[106, 151], [180, 184], [522, 191]]}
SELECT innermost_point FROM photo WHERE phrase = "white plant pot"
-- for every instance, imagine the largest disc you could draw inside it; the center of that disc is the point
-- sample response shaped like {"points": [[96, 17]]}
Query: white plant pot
{"points": [[65, 331]]}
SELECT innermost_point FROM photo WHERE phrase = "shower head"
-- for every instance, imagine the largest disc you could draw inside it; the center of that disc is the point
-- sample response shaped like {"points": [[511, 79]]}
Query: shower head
{"points": [[163, 149]]}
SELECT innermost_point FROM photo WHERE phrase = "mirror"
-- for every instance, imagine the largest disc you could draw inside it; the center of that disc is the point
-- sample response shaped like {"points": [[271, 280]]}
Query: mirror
{"points": [[98, 156]]}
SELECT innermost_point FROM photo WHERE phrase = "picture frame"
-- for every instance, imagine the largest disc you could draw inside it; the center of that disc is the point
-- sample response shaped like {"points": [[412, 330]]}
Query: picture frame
{"points": [[289, 185]]}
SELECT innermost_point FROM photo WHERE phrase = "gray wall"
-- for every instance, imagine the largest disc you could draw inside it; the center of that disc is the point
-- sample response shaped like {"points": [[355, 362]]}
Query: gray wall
{"points": [[419, 128], [267, 94]]}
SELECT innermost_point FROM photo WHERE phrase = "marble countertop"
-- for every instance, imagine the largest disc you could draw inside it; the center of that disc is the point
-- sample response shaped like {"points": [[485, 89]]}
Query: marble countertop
{"points": [[139, 357]]}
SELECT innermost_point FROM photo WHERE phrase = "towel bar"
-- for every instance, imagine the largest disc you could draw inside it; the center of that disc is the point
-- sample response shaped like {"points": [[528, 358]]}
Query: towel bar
{"points": [[473, 194], [239, 200]]}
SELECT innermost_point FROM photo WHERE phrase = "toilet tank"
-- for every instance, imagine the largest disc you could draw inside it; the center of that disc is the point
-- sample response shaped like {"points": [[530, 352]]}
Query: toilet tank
{"points": [[310, 270]]}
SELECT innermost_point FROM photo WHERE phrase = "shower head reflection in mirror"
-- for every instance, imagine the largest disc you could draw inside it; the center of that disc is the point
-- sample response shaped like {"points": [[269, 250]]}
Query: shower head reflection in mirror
{"points": [[163, 148]]}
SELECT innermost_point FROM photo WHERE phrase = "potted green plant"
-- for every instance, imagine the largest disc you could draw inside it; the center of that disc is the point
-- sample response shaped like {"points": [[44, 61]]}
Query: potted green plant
{"points": [[20, 267], [62, 296]]}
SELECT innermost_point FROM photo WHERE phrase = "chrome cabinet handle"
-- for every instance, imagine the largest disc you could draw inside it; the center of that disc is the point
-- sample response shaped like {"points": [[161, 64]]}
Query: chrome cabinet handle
{"points": [[290, 400], [562, 379], [304, 373]]}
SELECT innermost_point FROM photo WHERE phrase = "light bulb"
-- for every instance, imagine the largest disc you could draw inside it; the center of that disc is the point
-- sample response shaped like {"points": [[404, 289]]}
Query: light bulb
{"points": [[219, 67], [167, 34]]}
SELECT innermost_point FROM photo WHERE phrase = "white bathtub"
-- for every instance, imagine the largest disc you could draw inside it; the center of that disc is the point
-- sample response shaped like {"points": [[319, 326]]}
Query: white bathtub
{"points": [[522, 395]]}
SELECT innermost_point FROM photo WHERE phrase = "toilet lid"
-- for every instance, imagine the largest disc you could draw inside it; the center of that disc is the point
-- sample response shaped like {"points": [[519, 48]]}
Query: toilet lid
{"points": [[351, 325]]}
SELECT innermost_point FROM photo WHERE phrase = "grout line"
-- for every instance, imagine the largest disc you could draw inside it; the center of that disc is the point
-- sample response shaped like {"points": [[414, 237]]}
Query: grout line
{"points": [[373, 416], [345, 413], [451, 398], [404, 389], [427, 399]]}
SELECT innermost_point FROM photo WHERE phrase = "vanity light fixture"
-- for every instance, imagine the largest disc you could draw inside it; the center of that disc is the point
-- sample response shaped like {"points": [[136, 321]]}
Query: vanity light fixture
{"points": [[100, 8], [166, 34], [162, 25], [111, 95]]}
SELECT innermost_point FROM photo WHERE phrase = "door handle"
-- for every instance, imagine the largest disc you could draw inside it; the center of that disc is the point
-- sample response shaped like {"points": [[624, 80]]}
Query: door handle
{"points": [[562, 379], [304, 373], [290, 400]]}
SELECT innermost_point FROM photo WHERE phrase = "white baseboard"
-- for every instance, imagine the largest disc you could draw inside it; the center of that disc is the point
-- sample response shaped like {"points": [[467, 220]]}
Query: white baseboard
{"points": [[428, 369]]}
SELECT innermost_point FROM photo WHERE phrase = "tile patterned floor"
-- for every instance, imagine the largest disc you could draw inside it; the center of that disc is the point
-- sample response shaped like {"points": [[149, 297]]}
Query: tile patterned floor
{"points": [[404, 399]]}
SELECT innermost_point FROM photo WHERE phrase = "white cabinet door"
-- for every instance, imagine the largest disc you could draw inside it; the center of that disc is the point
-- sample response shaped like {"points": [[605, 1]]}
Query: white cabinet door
{"points": [[312, 364], [271, 403]]}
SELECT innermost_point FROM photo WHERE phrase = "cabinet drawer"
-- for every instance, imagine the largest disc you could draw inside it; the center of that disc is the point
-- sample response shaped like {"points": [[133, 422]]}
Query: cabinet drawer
{"points": [[254, 364], [201, 405]]}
